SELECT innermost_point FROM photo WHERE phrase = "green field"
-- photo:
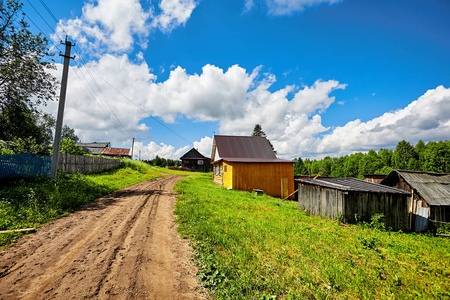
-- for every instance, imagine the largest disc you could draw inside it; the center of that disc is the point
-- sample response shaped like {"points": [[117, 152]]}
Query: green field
{"points": [[258, 247]]}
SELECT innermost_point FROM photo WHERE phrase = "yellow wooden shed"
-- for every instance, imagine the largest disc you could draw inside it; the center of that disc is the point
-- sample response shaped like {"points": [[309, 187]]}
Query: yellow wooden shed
{"points": [[248, 163]]}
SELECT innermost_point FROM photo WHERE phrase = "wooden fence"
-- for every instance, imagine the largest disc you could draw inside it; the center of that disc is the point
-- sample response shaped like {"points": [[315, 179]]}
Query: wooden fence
{"points": [[27, 165], [68, 163]]}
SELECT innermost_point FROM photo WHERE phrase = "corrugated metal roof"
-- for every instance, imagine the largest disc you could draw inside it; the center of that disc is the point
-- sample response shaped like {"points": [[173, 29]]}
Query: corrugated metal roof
{"points": [[243, 147], [94, 144], [193, 154], [352, 184], [434, 188], [93, 148], [116, 151]]}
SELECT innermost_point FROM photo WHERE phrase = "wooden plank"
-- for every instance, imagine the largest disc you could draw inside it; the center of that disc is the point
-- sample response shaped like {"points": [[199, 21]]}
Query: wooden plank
{"points": [[18, 230]]}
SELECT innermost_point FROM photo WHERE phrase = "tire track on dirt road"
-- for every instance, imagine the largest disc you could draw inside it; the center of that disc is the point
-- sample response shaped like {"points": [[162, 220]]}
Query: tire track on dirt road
{"points": [[123, 246]]}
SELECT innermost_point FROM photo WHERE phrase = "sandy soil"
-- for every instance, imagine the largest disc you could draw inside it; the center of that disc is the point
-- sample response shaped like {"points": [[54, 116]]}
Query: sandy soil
{"points": [[124, 246]]}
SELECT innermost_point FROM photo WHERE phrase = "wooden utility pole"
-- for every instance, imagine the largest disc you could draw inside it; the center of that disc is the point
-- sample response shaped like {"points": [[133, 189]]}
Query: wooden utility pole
{"points": [[62, 100]]}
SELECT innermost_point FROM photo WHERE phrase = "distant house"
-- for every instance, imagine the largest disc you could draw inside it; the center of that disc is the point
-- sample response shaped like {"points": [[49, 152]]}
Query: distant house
{"points": [[350, 197], [104, 148], [430, 195], [117, 152], [248, 163], [94, 148], [195, 161]]}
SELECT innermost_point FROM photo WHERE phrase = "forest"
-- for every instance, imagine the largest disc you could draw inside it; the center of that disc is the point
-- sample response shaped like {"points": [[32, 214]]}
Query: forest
{"points": [[430, 157]]}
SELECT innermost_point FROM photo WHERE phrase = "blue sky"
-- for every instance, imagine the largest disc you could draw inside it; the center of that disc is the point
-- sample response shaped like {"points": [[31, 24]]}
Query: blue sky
{"points": [[322, 77]]}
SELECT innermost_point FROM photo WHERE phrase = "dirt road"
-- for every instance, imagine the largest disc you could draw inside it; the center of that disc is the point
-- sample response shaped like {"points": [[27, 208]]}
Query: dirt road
{"points": [[123, 246]]}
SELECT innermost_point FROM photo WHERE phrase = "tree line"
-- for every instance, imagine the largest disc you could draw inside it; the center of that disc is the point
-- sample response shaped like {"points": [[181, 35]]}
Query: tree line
{"points": [[429, 157], [163, 162]]}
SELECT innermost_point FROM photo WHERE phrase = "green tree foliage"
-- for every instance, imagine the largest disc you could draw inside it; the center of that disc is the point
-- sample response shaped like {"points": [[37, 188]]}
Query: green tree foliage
{"points": [[404, 155], [68, 146], [430, 157], [162, 162], [68, 132], [24, 80], [257, 131]]}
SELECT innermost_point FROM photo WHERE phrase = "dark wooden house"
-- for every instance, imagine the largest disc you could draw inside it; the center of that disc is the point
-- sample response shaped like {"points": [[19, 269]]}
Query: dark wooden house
{"points": [[349, 197], [195, 161], [430, 196], [248, 162]]}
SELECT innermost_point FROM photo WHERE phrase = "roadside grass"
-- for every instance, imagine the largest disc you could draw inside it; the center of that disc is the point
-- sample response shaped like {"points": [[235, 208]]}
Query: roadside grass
{"points": [[258, 247], [176, 172], [30, 202]]}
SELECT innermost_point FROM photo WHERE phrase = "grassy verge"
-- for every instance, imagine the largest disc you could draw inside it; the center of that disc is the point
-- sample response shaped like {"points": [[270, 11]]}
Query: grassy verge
{"points": [[251, 247], [30, 202]]}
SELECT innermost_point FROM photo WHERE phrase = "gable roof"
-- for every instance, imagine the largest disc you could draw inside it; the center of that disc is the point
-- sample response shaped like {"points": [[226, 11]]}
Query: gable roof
{"points": [[193, 154], [434, 188], [93, 148], [244, 149], [116, 151], [352, 184]]}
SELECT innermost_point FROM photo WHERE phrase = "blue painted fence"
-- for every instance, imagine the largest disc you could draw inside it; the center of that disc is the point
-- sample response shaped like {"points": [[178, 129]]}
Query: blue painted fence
{"points": [[28, 165], [24, 164]]}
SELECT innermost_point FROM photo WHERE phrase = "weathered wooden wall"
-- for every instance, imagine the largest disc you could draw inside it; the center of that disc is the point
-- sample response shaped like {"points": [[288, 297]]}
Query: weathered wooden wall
{"points": [[333, 203], [68, 163], [263, 176], [320, 201]]}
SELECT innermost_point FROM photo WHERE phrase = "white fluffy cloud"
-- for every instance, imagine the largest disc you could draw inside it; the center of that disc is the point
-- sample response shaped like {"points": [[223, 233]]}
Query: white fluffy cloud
{"points": [[173, 14], [113, 25], [427, 118], [236, 99]]}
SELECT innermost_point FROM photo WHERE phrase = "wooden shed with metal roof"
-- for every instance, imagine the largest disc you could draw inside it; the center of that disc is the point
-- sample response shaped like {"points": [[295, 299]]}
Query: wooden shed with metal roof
{"points": [[352, 198], [430, 195], [248, 163]]}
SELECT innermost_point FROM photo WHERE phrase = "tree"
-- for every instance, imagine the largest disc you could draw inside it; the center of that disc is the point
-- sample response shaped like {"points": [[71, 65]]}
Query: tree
{"points": [[24, 80], [68, 146], [403, 154], [68, 132], [299, 167], [257, 131]]}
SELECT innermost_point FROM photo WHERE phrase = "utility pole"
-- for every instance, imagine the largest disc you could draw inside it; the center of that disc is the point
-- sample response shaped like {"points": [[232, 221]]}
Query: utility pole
{"points": [[132, 148], [62, 100]]}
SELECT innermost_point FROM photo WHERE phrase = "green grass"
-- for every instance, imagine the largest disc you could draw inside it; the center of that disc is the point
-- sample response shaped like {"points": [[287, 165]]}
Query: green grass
{"points": [[258, 247], [30, 202]]}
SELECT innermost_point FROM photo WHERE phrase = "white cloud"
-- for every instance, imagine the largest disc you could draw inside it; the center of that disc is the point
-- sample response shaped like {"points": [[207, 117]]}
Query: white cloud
{"points": [[151, 150], [114, 25], [427, 118], [237, 100], [173, 14]]}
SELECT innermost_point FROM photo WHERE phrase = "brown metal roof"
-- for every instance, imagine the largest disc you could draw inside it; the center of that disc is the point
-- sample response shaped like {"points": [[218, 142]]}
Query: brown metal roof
{"points": [[352, 184], [434, 188], [116, 151], [243, 147]]}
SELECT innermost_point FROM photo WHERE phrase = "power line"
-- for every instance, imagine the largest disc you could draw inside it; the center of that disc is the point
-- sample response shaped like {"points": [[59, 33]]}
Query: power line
{"points": [[89, 72], [103, 107], [51, 28], [161, 123]]}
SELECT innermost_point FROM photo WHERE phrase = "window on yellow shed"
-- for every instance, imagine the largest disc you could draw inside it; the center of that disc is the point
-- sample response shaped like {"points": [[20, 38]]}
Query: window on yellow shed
{"points": [[225, 168]]}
